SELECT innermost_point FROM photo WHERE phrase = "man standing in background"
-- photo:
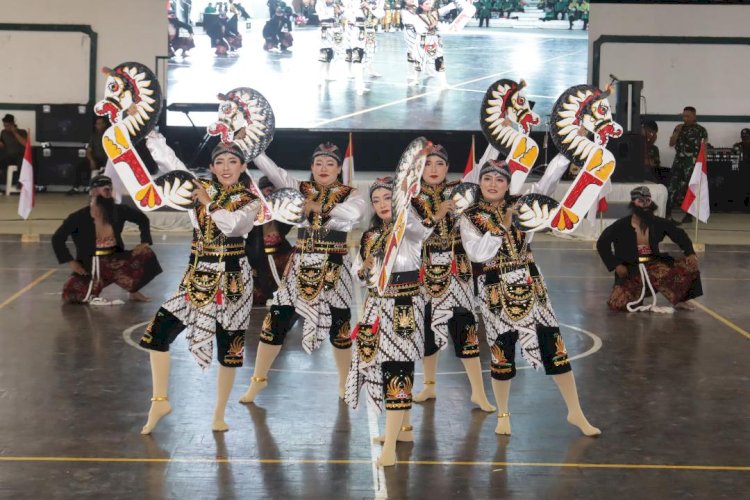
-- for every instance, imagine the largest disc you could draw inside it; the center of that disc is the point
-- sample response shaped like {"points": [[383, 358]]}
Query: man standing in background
{"points": [[686, 141], [12, 146]]}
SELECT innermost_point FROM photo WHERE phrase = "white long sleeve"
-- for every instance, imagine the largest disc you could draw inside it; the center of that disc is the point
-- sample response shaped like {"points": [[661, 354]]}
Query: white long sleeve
{"points": [[446, 8], [347, 214], [279, 177], [236, 223], [479, 247], [163, 155], [409, 257]]}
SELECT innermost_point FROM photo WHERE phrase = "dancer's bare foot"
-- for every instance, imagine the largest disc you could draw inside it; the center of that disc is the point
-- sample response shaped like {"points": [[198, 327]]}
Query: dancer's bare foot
{"points": [[387, 460], [219, 425], [160, 407], [342, 392], [483, 403], [138, 297], [405, 435], [257, 384], [503, 424], [685, 306], [428, 392], [586, 428]]}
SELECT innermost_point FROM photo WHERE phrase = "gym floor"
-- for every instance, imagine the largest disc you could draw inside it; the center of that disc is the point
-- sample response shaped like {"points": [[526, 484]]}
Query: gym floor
{"points": [[668, 391]]}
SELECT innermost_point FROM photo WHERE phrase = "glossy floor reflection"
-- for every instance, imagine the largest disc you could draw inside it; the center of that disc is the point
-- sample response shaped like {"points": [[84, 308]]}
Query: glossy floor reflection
{"points": [[667, 391], [550, 62]]}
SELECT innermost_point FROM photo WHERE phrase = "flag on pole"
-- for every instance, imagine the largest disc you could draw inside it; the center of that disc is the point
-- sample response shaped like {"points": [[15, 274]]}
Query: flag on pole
{"points": [[347, 167], [696, 197], [470, 160], [602, 205], [26, 178]]}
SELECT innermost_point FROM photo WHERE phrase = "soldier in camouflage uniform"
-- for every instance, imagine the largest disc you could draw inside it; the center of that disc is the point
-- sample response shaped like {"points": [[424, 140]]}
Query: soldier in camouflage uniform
{"points": [[686, 140]]}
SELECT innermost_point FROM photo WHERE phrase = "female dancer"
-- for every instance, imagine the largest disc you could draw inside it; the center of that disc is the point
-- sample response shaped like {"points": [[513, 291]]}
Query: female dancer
{"points": [[390, 337], [513, 299], [424, 43], [448, 281], [317, 284], [214, 298]]}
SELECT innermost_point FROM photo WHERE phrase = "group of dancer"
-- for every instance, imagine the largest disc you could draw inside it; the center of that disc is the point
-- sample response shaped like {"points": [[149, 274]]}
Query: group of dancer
{"points": [[348, 32], [429, 298], [434, 253]]}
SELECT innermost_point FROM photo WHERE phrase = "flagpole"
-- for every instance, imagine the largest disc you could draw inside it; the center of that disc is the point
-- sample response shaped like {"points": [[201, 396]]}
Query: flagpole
{"points": [[351, 160], [473, 153]]}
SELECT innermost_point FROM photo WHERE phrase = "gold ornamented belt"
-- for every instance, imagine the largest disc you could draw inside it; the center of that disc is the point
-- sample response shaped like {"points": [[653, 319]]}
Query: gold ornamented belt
{"points": [[646, 258], [270, 250], [313, 246], [101, 252], [402, 284], [230, 249], [506, 265]]}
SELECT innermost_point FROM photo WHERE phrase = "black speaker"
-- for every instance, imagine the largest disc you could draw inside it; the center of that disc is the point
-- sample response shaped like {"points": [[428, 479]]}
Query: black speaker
{"points": [[63, 123], [628, 106], [629, 151], [57, 165]]}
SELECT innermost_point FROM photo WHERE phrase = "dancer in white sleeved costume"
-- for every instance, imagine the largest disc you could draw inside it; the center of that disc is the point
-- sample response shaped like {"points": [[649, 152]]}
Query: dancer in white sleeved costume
{"points": [[317, 283], [424, 43]]}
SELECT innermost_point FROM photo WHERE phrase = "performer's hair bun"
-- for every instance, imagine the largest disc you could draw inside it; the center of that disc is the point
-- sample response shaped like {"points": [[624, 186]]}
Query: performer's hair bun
{"points": [[328, 149], [231, 148], [496, 167], [382, 183], [439, 151]]}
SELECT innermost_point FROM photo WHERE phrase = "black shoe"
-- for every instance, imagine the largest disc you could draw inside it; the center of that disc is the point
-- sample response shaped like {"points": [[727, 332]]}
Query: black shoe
{"points": [[675, 222], [688, 219], [72, 191]]}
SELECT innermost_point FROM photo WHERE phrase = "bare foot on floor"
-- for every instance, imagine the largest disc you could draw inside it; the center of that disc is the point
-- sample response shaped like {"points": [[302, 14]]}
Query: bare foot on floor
{"points": [[388, 460], [219, 425], [427, 393], [685, 306], [138, 297], [256, 386], [586, 428], [403, 437], [483, 403], [503, 425], [159, 409]]}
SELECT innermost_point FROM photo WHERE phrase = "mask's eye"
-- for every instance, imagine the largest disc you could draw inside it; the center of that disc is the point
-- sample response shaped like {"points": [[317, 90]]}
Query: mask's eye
{"points": [[113, 87], [521, 101]]}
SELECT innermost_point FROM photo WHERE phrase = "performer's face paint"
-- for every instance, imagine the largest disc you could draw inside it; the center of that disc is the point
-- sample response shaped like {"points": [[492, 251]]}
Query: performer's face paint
{"points": [[493, 186], [381, 203], [325, 170], [227, 168], [435, 170]]}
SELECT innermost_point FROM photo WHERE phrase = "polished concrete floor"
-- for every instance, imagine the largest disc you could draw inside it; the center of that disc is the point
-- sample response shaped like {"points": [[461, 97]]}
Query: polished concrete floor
{"points": [[669, 392], [549, 61]]}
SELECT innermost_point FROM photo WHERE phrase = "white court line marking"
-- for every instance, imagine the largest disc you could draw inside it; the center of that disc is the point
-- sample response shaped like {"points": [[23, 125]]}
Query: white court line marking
{"points": [[595, 347], [378, 473], [423, 94]]}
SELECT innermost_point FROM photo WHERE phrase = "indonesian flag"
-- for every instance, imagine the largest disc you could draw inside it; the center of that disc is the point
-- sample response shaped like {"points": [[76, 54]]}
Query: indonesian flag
{"points": [[347, 167], [26, 178], [470, 160], [696, 197], [602, 205]]}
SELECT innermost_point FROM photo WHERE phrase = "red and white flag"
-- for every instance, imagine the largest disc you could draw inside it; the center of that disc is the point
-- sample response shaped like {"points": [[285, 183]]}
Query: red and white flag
{"points": [[602, 206], [26, 178], [696, 197], [470, 160], [347, 167]]}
